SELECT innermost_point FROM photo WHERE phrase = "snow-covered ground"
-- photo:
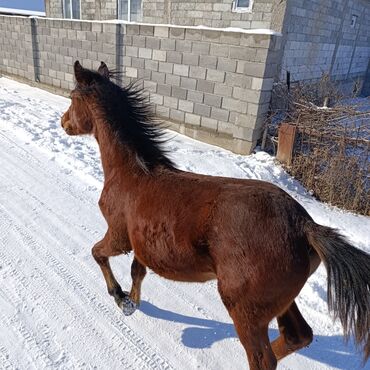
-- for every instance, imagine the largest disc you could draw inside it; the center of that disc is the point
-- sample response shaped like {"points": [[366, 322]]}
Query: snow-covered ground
{"points": [[55, 312]]}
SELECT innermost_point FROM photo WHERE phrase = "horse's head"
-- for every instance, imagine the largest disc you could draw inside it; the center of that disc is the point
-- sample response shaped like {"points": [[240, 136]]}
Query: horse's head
{"points": [[78, 120]]}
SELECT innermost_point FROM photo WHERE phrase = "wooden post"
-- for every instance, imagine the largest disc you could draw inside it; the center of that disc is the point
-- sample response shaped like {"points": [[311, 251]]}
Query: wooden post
{"points": [[287, 133]]}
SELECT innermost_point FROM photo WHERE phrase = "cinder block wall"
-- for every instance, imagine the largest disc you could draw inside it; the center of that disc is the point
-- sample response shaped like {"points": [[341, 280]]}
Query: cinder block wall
{"points": [[319, 38], [16, 55], [212, 13], [213, 85]]}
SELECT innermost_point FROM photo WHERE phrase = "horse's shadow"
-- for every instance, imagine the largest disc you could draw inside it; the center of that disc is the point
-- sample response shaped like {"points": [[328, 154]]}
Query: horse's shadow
{"points": [[202, 333]]}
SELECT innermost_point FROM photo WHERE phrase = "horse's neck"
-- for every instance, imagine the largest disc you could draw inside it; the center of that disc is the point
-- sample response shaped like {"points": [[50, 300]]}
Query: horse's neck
{"points": [[115, 157]]}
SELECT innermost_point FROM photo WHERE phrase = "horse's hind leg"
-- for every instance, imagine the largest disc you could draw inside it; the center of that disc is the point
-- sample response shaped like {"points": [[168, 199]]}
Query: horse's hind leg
{"points": [[254, 337], [252, 329], [101, 253], [295, 333]]}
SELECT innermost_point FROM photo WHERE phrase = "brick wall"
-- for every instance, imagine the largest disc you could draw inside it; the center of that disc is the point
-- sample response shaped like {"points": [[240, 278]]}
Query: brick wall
{"points": [[318, 38], [210, 84]]}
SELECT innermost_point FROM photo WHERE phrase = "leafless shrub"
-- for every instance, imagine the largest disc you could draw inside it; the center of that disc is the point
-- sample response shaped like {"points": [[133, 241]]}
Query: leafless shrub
{"points": [[331, 155]]}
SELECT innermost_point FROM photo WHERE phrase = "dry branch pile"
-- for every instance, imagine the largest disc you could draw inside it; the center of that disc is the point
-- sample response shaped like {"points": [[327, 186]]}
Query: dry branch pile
{"points": [[331, 154]]}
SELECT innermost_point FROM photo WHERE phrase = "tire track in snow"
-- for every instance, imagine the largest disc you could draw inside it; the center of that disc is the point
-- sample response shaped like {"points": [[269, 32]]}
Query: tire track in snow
{"points": [[135, 345]]}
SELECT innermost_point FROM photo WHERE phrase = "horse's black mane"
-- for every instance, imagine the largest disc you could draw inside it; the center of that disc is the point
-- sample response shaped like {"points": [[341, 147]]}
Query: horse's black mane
{"points": [[132, 118]]}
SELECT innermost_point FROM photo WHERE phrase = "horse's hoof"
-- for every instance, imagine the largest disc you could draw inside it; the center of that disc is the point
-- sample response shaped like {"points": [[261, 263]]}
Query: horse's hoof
{"points": [[128, 306]]}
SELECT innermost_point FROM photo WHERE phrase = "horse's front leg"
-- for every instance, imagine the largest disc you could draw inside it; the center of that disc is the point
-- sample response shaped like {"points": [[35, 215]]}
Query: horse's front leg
{"points": [[101, 253], [138, 272]]}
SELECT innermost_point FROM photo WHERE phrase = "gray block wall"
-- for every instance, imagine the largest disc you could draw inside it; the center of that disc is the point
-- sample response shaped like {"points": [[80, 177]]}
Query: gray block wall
{"points": [[213, 85], [90, 9], [318, 38], [212, 13]]}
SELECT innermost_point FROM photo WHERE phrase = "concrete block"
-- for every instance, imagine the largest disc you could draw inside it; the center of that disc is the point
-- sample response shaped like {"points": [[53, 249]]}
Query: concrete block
{"points": [[138, 41], [197, 72], [179, 92], [219, 50], [170, 102], [223, 90], [183, 46], [177, 33], [138, 63], [156, 99], [164, 90], [186, 106], [174, 57], [145, 53], [234, 105], [177, 115], [188, 83], [168, 44], [211, 36], [162, 111], [131, 72], [212, 100], [146, 30], [230, 38], [225, 128], [208, 61], [201, 48], [159, 55], [220, 114], [151, 65], [160, 31], [202, 109], [132, 51], [181, 70], [213, 75], [235, 79], [226, 64], [150, 86], [206, 86], [209, 123], [193, 34], [158, 77], [190, 59], [152, 43], [195, 96], [172, 80], [192, 119], [242, 53], [165, 67], [246, 133]]}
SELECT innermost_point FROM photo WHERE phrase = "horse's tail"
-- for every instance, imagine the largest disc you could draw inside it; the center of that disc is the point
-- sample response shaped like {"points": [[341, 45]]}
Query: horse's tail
{"points": [[348, 270]]}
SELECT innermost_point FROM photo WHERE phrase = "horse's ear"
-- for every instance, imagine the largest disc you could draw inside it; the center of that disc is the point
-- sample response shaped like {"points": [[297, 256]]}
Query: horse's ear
{"points": [[83, 76], [103, 70]]}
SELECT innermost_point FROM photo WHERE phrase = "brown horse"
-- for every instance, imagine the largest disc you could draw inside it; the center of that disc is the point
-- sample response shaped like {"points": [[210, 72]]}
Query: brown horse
{"points": [[255, 239]]}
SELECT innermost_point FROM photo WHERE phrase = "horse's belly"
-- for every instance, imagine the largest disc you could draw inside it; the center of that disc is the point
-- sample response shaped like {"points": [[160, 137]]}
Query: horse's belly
{"points": [[188, 267], [187, 276]]}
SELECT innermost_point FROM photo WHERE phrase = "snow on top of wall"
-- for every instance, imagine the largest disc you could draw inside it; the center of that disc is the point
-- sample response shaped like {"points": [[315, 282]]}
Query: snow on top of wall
{"points": [[259, 31], [256, 31]]}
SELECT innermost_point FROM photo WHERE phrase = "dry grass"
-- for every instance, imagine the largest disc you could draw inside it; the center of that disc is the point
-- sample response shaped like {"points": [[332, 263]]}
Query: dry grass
{"points": [[332, 148]]}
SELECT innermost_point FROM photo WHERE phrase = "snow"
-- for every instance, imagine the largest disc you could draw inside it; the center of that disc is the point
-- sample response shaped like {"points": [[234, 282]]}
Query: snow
{"points": [[255, 31], [55, 311]]}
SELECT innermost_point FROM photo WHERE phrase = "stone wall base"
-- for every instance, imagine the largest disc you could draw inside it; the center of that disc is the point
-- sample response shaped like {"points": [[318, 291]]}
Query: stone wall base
{"points": [[210, 137]]}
